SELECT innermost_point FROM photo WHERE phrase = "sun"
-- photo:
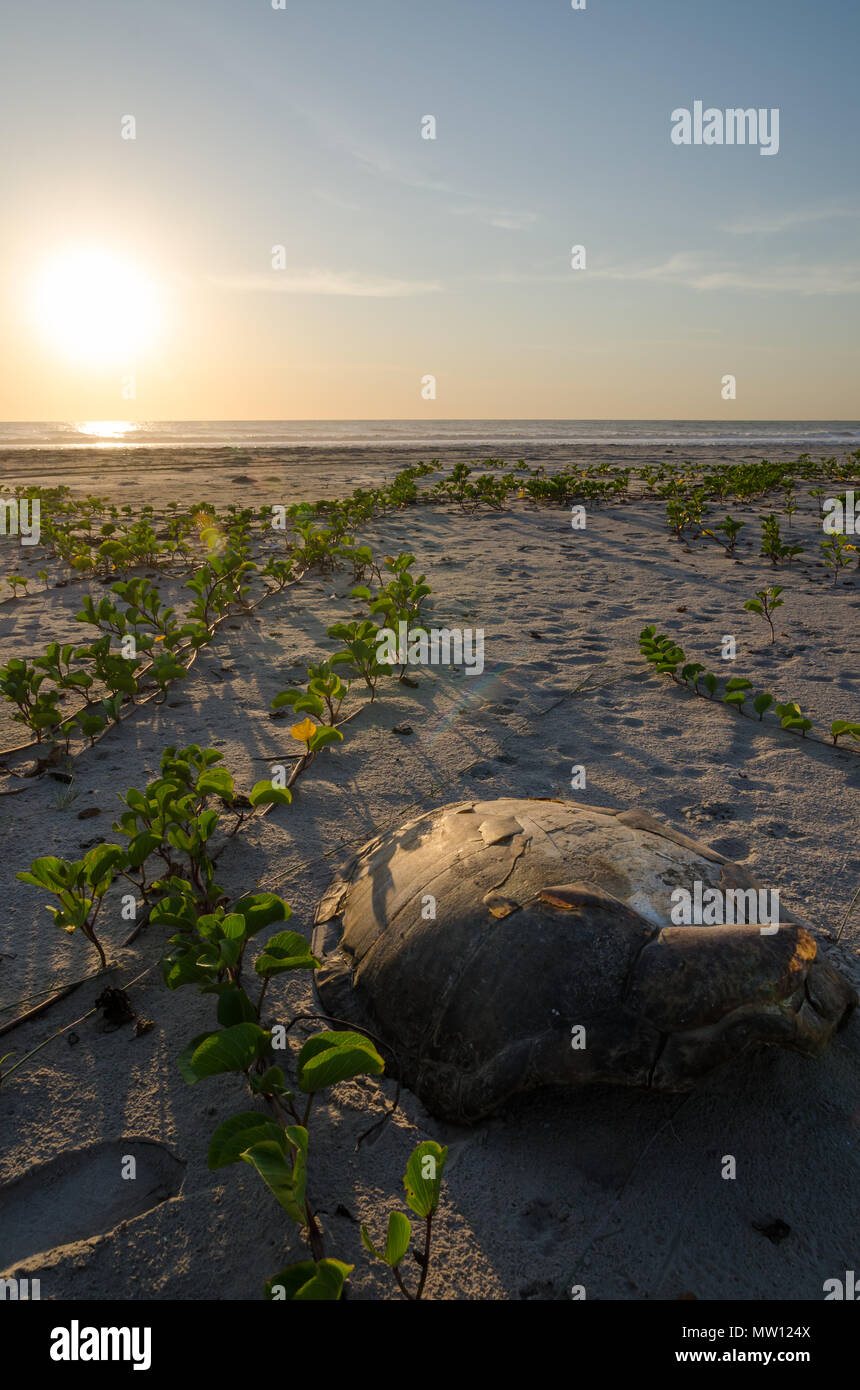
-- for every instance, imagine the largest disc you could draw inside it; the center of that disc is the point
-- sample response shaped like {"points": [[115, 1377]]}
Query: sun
{"points": [[97, 308]]}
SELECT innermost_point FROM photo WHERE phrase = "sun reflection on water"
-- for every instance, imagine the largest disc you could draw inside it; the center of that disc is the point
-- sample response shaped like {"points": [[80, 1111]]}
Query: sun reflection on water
{"points": [[105, 429]]}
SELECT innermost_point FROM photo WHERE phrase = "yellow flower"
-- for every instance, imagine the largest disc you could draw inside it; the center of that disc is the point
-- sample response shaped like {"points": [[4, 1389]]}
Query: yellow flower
{"points": [[304, 732]]}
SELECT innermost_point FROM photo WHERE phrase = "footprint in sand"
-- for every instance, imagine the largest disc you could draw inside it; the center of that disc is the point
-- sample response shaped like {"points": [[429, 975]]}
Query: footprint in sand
{"points": [[779, 830], [82, 1193], [714, 810], [731, 847]]}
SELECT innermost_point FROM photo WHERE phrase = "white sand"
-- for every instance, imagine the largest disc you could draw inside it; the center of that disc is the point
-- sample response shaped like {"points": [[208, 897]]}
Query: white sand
{"points": [[618, 1191]]}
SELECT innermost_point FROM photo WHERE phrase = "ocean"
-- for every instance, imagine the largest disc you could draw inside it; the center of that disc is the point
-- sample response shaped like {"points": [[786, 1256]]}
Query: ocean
{"points": [[475, 438]]}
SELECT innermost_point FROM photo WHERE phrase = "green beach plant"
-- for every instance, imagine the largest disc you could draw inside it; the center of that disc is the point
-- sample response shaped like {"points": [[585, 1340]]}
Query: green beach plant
{"points": [[423, 1183], [791, 717], [79, 886], [21, 684], [837, 551], [765, 604], [736, 691], [731, 530]]}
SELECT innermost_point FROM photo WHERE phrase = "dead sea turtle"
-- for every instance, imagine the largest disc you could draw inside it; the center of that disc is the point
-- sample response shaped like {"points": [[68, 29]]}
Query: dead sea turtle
{"points": [[497, 946]]}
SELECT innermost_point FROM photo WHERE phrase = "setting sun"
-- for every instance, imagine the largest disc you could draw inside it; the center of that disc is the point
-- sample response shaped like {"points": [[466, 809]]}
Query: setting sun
{"points": [[96, 308]]}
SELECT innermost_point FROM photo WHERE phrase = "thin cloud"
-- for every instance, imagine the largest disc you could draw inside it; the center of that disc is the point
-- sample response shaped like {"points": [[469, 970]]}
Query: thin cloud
{"points": [[504, 218], [471, 204], [383, 168], [692, 270], [346, 284], [768, 224], [336, 201], [695, 271]]}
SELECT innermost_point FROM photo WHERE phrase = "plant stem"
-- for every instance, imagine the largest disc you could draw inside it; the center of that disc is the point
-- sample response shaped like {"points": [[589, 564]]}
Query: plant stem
{"points": [[262, 995], [315, 1238], [425, 1268]]}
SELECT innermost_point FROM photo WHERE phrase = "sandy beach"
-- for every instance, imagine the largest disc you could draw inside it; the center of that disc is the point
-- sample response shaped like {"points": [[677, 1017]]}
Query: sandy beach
{"points": [[619, 1191]]}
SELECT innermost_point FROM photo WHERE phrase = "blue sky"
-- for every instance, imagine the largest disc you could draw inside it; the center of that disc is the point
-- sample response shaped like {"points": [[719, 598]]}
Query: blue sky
{"points": [[405, 256]]}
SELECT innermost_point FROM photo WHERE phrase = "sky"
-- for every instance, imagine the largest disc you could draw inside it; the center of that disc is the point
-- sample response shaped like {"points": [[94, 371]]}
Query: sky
{"points": [[137, 277]]}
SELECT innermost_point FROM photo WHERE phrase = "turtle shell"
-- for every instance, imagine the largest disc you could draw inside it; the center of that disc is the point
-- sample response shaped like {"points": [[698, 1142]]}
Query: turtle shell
{"points": [[493, 947]]}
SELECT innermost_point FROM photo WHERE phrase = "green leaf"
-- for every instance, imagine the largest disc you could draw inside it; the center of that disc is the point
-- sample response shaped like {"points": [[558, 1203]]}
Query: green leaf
{"points": [[91, 724], [234, 1006], [322, 1281], [368, 1243], [229, 1049], [735, 697], [177, 837], [754, 606], [47, 872], [309, 702], [738, 683], [46, 719], [265, 794], [141, 846], [787, 711], [271, 1083], [323, 736], [286, 951], [233, 926], [762, 702], [239, 1133], [286, 697], [215, 781], [397, 1240], [100, 863], [329, 1057], [285, 1180], [184, 1058], [423, 1178], [260, 910], [173, 912]]}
